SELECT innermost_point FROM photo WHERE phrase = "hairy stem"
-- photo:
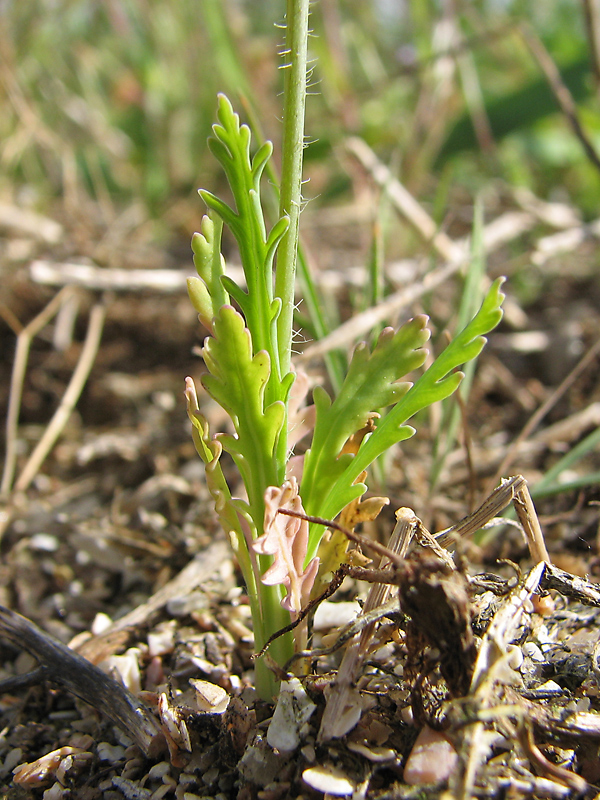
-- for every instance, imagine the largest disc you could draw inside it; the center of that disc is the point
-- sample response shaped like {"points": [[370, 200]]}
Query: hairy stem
{"points": [[295, 65]]}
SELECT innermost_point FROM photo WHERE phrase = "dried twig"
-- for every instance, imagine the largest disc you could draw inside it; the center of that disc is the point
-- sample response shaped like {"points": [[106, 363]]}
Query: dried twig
{"points": [[572, 586], [340, 696], [567, 430], [90, 276], [70, 670], [564, 242], [513, 489], [491, 653], [405, 203], [360, 324], [27, 223], [575, 782]]}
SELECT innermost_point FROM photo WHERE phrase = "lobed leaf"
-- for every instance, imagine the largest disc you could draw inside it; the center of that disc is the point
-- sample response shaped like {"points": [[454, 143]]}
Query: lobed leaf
{"points": [[206, 291], [230, 144], [237, 381], [209, 263], [201, 300], [437, 383], [210, 450], [370, 384]]}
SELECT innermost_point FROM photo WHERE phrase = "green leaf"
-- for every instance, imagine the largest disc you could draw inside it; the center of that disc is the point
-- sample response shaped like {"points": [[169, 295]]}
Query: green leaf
{"points": [[230, 144], [201, 300], [209, 449], [370, 384], [277, 231], [237, 381], [209, 263], [437, 383], [238, 294], [206, 291], [259, 162], [226, 213]]}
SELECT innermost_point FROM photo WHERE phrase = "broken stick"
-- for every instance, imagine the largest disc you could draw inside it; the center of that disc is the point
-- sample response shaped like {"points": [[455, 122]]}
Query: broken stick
{"points": [[68, 669]]}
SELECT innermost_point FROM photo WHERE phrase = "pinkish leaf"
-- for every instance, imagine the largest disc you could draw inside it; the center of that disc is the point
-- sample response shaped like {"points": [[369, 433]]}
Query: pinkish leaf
{"points": [[286, 539]]}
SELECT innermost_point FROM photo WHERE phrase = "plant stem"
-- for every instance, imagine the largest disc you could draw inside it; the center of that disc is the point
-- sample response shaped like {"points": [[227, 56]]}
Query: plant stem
{"points": [[295, 65], [273, 618]]}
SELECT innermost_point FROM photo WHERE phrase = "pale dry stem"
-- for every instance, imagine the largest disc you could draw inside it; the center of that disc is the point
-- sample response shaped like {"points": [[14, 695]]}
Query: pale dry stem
{"points": [[69, 399], [24, 339]]}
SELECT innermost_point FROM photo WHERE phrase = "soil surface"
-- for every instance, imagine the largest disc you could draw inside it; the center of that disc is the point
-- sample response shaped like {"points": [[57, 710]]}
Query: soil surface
{"points": [[112, 547]]}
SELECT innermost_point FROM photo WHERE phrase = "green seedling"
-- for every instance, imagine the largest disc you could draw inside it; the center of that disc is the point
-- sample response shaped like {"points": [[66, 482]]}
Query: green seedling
{"points": [[250, 375]]}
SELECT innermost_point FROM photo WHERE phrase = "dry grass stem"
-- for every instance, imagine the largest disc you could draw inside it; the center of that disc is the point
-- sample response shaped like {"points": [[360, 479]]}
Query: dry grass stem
{"points": [[560, 91], [404, 202], [24, 339], [536, 418], [68, 401], [483, 691]]}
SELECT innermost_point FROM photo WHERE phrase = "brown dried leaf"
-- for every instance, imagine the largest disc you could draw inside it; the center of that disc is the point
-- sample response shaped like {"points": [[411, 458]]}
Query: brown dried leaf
{"points": [[40, 772]]}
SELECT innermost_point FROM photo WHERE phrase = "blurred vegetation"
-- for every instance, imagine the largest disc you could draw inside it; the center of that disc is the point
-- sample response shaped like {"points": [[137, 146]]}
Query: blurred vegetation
{"points": [[116, 98]]}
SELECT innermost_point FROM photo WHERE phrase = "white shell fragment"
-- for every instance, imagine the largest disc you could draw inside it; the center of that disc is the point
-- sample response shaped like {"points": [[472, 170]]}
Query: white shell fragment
{"points": [[329, 780], [125, 668], [292, 712], [333, 615], [378, 755], [343, 711], [110, 752], [431, 760], [173, 723], [210, 698]]}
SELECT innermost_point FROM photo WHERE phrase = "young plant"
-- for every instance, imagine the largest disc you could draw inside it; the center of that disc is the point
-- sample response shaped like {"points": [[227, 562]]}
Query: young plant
{"points": [[249, 374]]}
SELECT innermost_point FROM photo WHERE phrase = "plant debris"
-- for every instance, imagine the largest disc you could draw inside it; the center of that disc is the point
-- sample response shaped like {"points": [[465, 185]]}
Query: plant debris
{"points": [[113, 552]]}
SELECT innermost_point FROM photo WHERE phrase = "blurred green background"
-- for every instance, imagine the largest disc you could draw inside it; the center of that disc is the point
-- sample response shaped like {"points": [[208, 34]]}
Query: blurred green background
{"points": [[115, 98]]}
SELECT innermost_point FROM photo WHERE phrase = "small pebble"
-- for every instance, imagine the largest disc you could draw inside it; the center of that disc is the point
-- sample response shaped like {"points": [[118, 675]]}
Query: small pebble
{"points": [[583, 704], [158, 771], [161, 640], [550, 686], [210, 698], [13, 757], [431, 760], [55, 792], [329, 780], [186, 778], [44, 542], [210, 776], [308, 751], [101, 623], [110, 752], [81, 740], [515, 656], [533, 651]]}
